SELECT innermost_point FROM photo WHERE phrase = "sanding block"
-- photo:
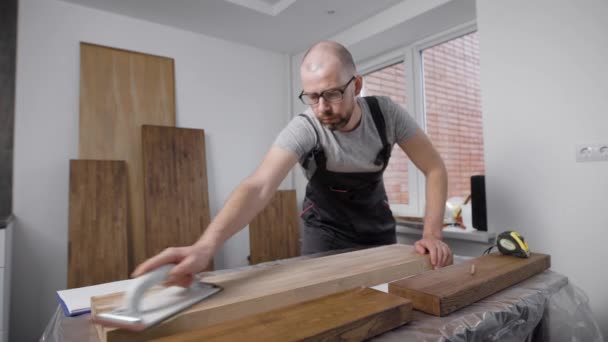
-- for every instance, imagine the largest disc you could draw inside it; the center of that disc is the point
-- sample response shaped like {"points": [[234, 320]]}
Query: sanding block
{"points": [[141, 310]]}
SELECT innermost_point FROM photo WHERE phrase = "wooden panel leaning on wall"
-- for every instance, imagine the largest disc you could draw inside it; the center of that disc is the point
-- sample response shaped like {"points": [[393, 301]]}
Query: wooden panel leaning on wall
{"points": [[175, 187], [264, 288], [97, 243], [119, 92], [275, 232], [450, 288], [353, 315]]}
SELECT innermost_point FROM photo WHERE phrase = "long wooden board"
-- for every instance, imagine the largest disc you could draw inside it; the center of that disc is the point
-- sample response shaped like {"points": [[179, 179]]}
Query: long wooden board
{"points": [[119, 92], [175, 186], [97, 247], [275, 232], [448, 289], [353, 315], [260, 289]]}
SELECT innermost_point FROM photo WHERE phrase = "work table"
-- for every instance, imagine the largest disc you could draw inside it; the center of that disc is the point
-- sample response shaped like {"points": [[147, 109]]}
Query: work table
{"points": [[529, 307]]}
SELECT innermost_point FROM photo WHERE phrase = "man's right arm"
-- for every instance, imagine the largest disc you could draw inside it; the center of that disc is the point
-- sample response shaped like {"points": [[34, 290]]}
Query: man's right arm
{"points": [[246, 201]]}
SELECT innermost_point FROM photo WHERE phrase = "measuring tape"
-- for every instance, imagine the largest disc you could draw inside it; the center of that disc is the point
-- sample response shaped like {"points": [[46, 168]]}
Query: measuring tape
{"points": [[511, 243]]}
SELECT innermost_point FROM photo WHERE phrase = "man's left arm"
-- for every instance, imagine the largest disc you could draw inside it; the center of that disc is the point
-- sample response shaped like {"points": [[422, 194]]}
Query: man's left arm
{"points": [[422, 153]]}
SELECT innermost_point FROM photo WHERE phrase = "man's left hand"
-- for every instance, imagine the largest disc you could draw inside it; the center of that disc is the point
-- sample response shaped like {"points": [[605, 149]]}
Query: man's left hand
{"points": [[441, 254]]}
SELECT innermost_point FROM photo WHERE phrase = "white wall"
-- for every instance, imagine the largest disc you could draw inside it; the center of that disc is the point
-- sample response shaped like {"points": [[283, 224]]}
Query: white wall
{"points": [[544, 89], [217, 88]]}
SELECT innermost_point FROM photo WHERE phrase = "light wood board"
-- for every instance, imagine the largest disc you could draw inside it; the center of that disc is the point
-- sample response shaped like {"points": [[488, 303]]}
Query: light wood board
{"points": [[97, 244], [175, 186], [275, 232], [353, 315], [448, 289], [257, 290], [119, 92]]}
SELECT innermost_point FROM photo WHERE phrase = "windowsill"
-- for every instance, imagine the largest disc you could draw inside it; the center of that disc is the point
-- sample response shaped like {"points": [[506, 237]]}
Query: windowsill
{"points": [[415, 229]]}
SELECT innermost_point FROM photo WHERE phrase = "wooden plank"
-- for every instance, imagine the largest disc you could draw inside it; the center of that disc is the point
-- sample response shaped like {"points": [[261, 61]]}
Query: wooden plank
{"points": [[450, 288], [97, 247], [353, 315], [410, 219], [175, 186], [275, 232], [119, 92], [260, 289]]}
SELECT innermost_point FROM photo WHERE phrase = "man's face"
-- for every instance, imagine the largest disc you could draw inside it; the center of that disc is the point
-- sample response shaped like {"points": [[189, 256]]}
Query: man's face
{"points": [[333, 112]]}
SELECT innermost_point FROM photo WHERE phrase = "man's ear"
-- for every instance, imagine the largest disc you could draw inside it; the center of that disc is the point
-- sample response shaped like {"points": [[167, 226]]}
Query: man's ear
{"points": [[358, 84]]}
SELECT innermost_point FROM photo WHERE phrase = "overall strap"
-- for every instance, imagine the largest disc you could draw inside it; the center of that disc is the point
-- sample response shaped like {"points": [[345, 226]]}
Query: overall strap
{"points": [[315, 151], [385, 153]]}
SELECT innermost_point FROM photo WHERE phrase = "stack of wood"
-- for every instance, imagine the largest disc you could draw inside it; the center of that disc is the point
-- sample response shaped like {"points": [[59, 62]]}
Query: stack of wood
{"points": [[140, 183]]}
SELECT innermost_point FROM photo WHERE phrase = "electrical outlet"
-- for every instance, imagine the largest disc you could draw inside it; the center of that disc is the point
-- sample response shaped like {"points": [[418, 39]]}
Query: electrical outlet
{"points": [[602, 152], [591, 152]]}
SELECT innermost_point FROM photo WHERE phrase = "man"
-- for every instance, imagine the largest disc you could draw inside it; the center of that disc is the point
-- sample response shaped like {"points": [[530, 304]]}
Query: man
{"points": [[344, 146]]}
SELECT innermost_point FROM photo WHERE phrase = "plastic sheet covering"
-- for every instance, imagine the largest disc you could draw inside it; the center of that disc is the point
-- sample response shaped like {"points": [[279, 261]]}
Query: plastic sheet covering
{"points": [[545, 307]]}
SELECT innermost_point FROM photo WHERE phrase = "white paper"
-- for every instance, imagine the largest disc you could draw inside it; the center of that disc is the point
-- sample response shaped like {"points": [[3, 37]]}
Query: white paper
{"points": [[78, 301], [381, 287]]}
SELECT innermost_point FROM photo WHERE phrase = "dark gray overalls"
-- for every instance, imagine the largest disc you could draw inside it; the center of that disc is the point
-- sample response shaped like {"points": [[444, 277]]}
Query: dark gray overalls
{"points": [[347, 209]]}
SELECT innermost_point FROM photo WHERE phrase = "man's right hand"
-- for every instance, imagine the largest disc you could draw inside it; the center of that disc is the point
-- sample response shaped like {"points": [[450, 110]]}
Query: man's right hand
{"points": [[189, 261]]}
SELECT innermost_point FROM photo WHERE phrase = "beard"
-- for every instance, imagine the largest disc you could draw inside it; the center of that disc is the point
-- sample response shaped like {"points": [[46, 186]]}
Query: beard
{"points": [[334, 122]]}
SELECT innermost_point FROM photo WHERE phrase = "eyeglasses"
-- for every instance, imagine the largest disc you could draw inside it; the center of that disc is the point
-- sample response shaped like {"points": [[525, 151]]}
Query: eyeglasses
{"points": [[331, 95]]}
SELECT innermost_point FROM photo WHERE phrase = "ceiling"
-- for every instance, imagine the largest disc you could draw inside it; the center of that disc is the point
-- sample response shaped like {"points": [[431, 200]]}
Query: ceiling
{"points": [[287, 26]]}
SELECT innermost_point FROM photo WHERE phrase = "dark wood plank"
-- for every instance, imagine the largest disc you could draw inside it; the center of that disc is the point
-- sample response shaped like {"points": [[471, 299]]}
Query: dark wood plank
{"points": [[175, 186], [275, 232], [97, 247], [353, 315], [119, 92], [448, 289]]}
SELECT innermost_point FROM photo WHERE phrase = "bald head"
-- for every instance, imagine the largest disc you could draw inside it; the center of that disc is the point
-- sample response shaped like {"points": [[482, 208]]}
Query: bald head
{"points": [[328, 56]]}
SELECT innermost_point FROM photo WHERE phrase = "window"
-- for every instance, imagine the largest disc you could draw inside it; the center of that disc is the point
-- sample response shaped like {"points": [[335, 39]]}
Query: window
{"points": [[437, 81], [452, 105]]}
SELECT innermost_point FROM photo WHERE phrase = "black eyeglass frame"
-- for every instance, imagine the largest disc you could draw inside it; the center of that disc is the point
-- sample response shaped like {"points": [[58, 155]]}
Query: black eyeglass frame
{"points": [[341, 89]]}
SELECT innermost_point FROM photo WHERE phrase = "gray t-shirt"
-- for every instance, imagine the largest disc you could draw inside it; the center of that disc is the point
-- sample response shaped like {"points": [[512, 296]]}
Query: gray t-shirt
{"points": [[353, 151]]}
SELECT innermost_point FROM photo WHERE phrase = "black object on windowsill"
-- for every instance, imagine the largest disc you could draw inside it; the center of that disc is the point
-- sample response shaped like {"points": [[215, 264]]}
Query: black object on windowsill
{"points": [[478, 202]]}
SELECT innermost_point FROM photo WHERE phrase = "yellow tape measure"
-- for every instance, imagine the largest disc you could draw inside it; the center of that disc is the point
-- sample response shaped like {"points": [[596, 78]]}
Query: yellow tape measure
{"points": [[511, 243]]}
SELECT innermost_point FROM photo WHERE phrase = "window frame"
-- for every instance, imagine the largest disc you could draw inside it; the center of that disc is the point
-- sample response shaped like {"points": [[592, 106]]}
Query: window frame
{"points": [[411, 56]]}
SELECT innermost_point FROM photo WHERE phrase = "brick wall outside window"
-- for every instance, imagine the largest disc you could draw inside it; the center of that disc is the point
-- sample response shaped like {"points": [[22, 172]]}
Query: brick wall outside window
{"points": [[453, 113]]}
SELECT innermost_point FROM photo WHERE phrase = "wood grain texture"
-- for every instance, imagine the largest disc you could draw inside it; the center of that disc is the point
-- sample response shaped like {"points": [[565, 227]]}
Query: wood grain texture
{"points": [[119, 92], [450, 288], [257, 290], [97, 245], [409, 219], [175, 186], [275, 232], [353, 315]]}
